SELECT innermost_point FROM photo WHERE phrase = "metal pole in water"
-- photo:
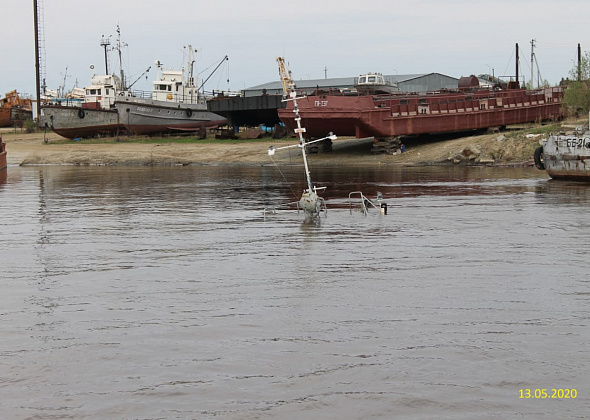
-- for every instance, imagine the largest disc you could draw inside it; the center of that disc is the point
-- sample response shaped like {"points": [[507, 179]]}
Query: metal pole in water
{"points": [[37, 65], [300, 132]]}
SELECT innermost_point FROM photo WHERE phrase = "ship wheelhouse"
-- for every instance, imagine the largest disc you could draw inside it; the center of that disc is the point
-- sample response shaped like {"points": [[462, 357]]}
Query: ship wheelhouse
{"points": [[371, 79]]}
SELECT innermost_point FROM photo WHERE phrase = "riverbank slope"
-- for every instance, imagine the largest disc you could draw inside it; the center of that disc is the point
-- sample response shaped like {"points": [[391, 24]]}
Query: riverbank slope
{"points": [[513, 147]]}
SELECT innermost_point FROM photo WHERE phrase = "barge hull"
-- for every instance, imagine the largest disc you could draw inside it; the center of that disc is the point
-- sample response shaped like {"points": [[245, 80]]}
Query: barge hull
{"points": [[390, 115]]}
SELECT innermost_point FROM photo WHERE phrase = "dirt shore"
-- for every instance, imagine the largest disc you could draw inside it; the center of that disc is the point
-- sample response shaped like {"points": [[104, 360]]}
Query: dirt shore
{"points": [[515, 147]]}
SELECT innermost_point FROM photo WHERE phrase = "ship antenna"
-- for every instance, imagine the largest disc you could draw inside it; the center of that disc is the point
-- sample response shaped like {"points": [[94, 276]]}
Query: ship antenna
{"points": [[119, 48]]}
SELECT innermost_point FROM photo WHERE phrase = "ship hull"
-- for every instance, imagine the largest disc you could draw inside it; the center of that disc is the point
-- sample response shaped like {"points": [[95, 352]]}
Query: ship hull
{"points": [[567, 157], [18, 116], [14, 117], [386, 116], [5, 117], [145, 116], [76, 122]]}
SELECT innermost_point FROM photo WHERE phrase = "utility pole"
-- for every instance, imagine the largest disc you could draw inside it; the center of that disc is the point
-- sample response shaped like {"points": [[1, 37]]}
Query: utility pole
{"points": [[517, 58], [579, 63], [37, 69], [532, 62], [325, 72]]}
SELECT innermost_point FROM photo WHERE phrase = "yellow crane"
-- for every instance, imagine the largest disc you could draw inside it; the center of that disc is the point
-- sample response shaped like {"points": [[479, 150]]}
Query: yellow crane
{"points": [[285, 74]]}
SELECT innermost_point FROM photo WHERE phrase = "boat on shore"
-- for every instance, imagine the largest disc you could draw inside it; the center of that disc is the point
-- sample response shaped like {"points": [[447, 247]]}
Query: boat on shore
{"points": [[566, 156], [91, 111], [174, 105], [14, 110], [364, 114], [93, 115]]}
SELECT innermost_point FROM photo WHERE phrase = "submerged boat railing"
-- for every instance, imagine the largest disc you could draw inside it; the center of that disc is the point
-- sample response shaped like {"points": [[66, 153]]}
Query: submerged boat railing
{"points": [[365, 203]]}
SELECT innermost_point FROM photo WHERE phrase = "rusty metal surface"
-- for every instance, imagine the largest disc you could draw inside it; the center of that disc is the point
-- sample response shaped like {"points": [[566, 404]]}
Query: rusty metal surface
{"points": [[5, 114], [445, 111], [3, 161], [14, 110], [468, 82]]}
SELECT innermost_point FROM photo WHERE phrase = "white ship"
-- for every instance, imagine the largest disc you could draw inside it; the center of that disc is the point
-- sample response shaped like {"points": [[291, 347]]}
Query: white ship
{"points": [[174, 105], [88, 112]]}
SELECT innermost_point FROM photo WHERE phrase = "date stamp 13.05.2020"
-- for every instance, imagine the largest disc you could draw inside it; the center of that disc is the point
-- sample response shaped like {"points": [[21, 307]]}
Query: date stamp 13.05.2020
{"points": [[548, 393]]}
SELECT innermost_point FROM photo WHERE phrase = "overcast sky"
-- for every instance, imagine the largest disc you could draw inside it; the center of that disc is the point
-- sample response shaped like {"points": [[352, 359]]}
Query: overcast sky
{"points": [[344, 38]]}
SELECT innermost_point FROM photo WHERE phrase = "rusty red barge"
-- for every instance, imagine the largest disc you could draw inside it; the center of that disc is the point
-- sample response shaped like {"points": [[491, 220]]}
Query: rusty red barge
{"points": [[362, 113]]}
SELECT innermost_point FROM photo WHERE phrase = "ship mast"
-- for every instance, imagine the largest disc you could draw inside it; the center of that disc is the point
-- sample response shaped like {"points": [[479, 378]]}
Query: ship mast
{"points": [[289, 92], [311, 203], [119, 48]]}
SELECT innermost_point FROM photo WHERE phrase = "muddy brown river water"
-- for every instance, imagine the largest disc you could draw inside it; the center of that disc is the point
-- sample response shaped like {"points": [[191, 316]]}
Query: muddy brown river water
{"points": [[163, 293]]}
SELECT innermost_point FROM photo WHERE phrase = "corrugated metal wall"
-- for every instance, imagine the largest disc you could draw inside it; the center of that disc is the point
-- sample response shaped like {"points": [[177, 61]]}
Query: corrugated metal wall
{"points": [[407, 83]]}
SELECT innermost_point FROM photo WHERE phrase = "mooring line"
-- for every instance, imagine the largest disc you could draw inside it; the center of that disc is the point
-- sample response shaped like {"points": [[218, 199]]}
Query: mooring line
{"points": [[279, 169]]}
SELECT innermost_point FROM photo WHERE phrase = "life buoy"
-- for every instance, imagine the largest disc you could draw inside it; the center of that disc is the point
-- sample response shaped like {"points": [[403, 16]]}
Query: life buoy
{"points": [[189, 112], [539, 164], [81, 113]]}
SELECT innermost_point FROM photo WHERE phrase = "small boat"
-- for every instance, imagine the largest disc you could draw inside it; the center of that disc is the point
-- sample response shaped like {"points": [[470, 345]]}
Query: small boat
{"points": [[175, 105], [566, 156], [14, 110]]}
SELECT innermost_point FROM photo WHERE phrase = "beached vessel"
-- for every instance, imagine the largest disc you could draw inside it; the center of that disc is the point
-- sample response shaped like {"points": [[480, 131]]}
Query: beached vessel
{"points": [[90, 112], [91, 116], [14, 110], [364, 114], [566, 156], [174, 105]]}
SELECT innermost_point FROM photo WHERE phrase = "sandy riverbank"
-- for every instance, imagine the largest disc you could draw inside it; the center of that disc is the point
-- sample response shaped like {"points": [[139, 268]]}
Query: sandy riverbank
{"points": [[515, 146]]}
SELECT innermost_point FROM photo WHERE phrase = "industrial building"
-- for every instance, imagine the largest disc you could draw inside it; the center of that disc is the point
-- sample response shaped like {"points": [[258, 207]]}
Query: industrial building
{"points": [[405, 82]]}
